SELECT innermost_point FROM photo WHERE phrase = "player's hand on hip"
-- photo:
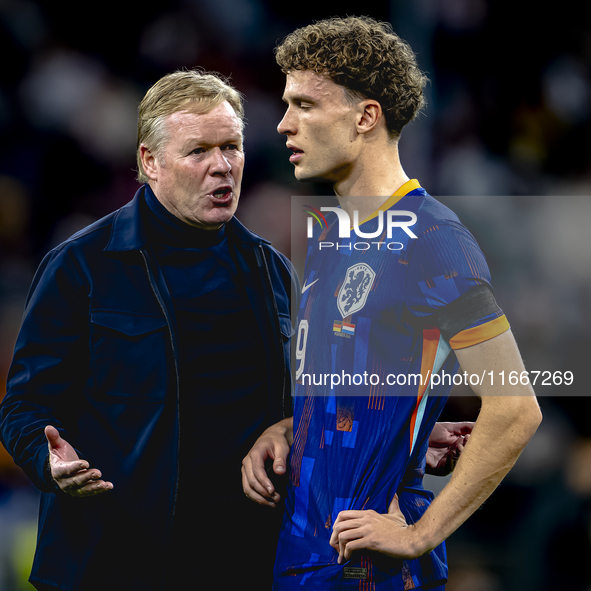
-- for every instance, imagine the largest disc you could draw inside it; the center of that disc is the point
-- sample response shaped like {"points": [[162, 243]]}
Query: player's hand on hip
{"points": [[272, 445], [368, 530], [73, 475], [446, 443]]}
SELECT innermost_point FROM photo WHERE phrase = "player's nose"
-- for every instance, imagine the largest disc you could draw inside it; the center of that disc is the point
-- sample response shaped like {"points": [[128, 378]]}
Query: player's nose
{"points": [[287, 125]]}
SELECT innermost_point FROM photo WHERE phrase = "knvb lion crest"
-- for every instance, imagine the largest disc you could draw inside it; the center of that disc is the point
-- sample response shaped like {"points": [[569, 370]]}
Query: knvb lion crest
{"points": [[355, 289]]}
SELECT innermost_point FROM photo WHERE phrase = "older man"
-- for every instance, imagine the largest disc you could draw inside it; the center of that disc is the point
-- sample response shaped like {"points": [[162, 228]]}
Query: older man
{"points": [[154, 350]]}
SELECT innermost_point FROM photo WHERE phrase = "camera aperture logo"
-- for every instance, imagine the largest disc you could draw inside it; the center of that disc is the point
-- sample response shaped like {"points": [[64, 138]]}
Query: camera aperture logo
{"points": [[391, 219], [318, 216]]}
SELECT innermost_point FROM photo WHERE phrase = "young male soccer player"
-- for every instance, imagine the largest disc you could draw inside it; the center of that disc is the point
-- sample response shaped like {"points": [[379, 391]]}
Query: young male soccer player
{"points": [[394, 304]]}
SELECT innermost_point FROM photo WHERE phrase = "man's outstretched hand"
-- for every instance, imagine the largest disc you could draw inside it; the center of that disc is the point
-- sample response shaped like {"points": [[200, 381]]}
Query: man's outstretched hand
{"points": [[73, 475], [446, 443]]}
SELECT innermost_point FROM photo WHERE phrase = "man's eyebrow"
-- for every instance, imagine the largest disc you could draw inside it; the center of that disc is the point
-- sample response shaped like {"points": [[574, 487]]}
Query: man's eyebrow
{"points": [[202, 143], [299, 97], [191, 142]]}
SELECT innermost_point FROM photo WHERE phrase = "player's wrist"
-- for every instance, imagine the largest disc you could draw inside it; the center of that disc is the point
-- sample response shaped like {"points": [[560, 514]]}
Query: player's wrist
{"points": [[421, 540]]}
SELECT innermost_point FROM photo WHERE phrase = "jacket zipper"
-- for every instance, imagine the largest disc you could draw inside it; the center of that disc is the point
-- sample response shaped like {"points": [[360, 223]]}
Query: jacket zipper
{"points": [[176, 367]]}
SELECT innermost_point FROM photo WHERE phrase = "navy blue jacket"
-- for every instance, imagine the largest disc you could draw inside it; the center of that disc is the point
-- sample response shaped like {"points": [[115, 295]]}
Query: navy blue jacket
{"points": [[97, 358]]}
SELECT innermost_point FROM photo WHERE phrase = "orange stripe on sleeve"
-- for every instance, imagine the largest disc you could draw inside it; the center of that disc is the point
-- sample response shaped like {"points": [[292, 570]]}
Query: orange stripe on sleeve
{"points": [[479, 334], [430, 344]]}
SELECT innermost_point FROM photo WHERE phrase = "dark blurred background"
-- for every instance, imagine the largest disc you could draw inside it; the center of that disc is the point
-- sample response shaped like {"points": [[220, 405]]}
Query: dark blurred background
{"points": [[504, 141]]}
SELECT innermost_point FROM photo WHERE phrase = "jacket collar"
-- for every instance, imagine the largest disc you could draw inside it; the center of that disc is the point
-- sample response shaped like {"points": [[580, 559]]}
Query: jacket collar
{"points": [[243, 234], [128, 233]]}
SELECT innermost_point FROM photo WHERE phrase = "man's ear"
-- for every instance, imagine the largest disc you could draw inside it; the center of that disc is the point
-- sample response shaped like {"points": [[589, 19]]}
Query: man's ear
{"points": [[149, 163], [370, 115]]}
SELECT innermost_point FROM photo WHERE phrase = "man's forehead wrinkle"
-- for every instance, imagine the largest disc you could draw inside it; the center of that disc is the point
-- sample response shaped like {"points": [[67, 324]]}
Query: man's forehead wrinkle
{"points": [[192, 130]]}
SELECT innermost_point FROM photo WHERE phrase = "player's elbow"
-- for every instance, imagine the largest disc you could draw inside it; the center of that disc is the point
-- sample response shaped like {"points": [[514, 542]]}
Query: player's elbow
{"points": [[533, 414], [527, 416], [516, 417]]}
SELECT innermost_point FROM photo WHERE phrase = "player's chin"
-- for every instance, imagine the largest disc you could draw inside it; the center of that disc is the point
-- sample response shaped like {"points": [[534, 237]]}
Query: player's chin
{"points": [[303, 175]]}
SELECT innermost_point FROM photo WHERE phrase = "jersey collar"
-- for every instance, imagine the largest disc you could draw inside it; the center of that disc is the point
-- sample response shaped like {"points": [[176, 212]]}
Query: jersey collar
{"points": [[405, 189]]}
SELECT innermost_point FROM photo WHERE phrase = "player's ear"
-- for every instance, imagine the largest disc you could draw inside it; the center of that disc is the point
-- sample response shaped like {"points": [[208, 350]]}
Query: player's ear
{"points": [[370, 114], [149, 162]]}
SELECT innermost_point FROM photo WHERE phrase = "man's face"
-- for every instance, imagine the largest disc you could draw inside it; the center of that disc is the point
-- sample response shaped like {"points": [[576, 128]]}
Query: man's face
{"points": [[320, 127], [198, 175]]}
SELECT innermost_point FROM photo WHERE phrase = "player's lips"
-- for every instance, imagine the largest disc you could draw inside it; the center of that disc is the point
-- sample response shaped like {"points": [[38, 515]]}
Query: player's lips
{"points": [[222, 195], [297, 153]]}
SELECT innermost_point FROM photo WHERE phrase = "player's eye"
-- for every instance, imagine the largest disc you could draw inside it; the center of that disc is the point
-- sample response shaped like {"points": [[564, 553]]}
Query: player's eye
{"points": [[304, 104]]}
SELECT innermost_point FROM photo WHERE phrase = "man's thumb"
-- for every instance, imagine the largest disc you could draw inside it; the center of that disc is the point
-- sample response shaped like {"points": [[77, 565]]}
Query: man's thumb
{"points": [[53, 437], [279, 466], [394, 506]]}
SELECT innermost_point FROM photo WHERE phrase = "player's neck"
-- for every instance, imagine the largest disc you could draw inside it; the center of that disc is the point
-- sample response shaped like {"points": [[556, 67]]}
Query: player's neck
{"points": [[377, 175]]}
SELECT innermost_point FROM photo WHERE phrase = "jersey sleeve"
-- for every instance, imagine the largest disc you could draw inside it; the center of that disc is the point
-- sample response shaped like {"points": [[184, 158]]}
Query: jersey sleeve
{"points": [[448, 287]]}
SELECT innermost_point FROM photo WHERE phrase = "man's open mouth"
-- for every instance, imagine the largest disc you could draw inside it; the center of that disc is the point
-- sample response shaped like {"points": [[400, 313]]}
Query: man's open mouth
{"points": [[222, 195]]}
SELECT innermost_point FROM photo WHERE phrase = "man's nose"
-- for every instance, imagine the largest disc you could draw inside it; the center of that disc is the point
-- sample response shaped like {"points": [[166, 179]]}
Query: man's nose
{"points": [[287, 124], [220, 164]]}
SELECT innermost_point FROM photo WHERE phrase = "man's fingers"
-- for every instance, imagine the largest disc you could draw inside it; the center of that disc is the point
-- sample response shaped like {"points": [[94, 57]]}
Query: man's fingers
{"points": [[465, 428], [343, 536], [256, 476], [77, 479], [68, 469], [350, 547], [341, 532], [84, 484], [95, 487], [349, 514], [252, 488], [257, 492]]}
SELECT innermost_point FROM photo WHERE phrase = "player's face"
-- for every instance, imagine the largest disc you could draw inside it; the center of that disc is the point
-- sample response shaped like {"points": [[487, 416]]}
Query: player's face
{"points": [[199, 174], [320, 127]]}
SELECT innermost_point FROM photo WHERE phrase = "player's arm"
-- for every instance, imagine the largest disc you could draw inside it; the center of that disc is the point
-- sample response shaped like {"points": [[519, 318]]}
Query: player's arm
{"points": [[275, 444], [508, 418]]}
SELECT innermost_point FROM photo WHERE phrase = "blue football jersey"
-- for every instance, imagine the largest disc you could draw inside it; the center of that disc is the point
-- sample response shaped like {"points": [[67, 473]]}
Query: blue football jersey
{"points": [[369, 342]]}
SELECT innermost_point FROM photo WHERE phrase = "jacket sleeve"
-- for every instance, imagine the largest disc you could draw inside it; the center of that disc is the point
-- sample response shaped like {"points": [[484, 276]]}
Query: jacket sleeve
{"points": [[49, 366], [293, 290]]}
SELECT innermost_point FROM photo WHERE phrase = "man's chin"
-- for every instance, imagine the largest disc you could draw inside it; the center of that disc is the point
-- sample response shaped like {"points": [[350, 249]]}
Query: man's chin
{"points": [[215, 218], [220, 215], [305, 176]]}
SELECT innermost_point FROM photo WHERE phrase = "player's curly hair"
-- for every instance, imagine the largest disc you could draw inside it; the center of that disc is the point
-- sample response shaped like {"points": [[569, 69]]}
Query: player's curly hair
{"points": [[364, 56], [193, 90]]}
